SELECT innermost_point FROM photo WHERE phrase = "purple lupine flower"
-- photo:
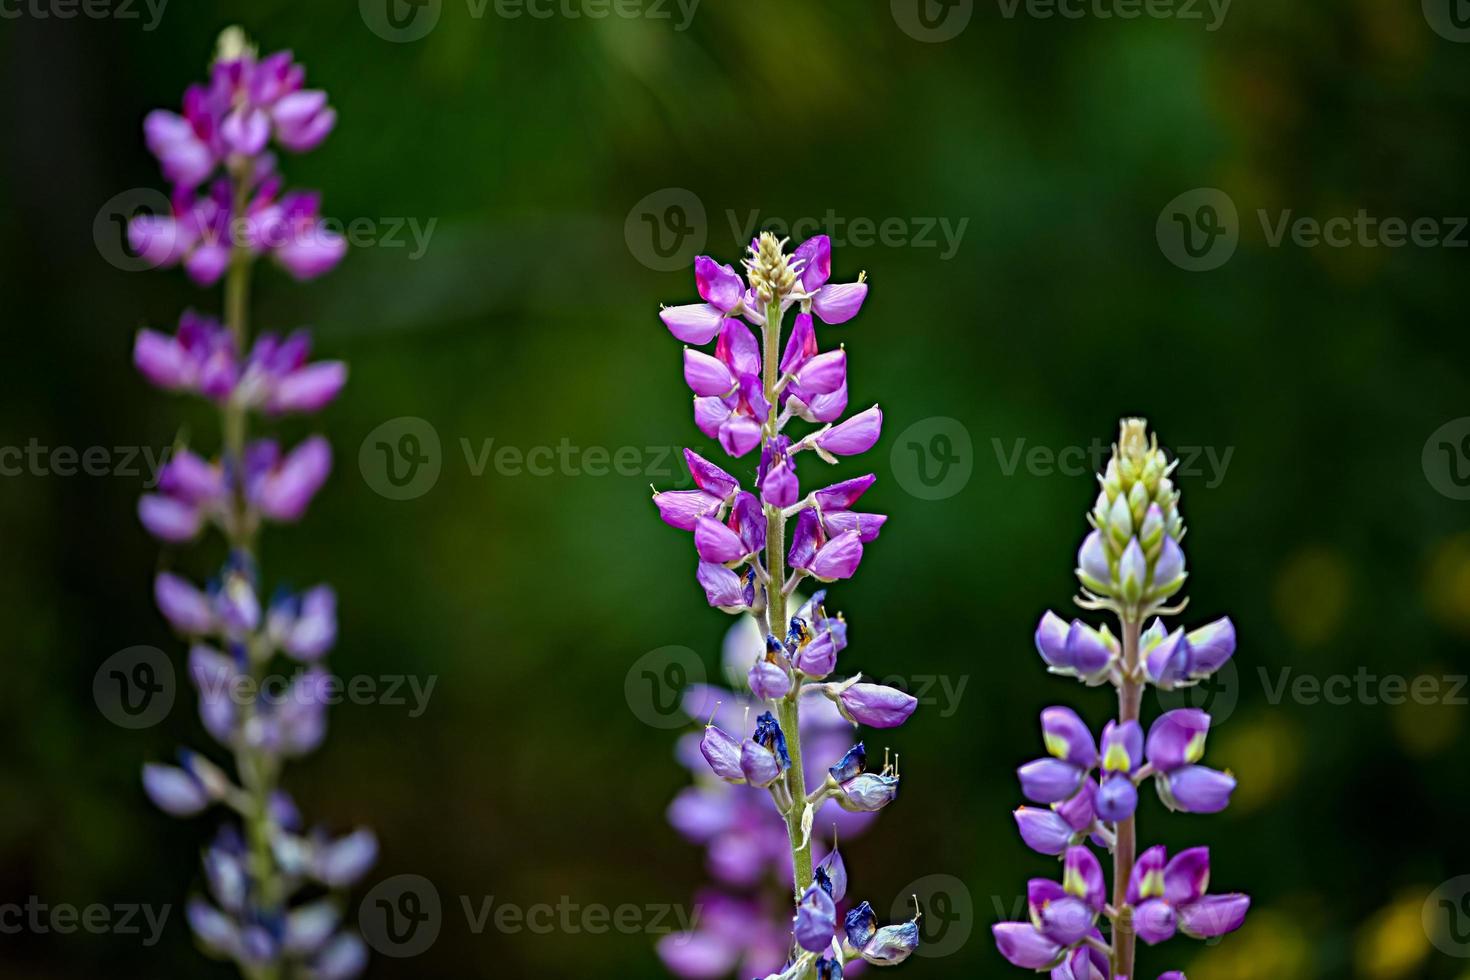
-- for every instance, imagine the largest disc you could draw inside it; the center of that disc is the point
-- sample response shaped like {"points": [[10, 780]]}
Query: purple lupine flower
{"points": [[742, 401], [1169, 896], [1129, 564], [881, 946], [227, 210]]}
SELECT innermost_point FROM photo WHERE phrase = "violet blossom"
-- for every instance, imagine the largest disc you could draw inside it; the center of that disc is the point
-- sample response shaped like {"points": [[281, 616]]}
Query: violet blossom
{"points": [[1130, 564], [274, 898], [764, 787]]}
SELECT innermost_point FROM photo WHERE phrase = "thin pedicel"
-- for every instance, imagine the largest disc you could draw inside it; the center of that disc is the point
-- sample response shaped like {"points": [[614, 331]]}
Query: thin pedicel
{"points": [[276, 890], [747, 393], [1131, 564]]}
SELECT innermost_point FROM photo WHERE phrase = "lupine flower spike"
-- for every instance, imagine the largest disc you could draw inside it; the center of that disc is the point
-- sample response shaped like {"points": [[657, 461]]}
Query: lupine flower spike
{"points": [[756, 540], [1130, 564], [274, 901]]}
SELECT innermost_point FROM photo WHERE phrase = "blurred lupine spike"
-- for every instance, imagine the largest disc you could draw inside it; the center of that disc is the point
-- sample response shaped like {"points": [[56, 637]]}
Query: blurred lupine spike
{"points": [[1130, 563], [750, 560], [261, 912]]}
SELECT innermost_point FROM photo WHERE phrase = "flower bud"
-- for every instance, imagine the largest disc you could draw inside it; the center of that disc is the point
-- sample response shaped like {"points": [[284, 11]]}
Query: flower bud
{"points": [[875, 705], [722, 751], [1132, 571], [816, 920], [1212, 645], [1168, 664], [1093, 568]]}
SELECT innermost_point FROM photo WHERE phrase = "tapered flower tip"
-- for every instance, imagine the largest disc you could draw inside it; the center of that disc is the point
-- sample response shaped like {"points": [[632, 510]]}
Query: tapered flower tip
{"points": [[1082, 877], [694, 323], [716, 543], [839, 302], [173, 790], [1049, 780], [838, 558], [1117, 798], [1213, 644], [1177, 739], [1067, 737], [1187, 876], [891, 945], [1196, 789], [311, 254], [161, 359], [186, 608], [722, 587], [213, 928], [824, 373], [346, 859], [768, 681], [1132, 571], [842, 496], [709, 477], [856, 435], [169, 518], [835, 870], [285, 492], [707, 376], [345, 957], [683, 508], [815, 256], [722, 751], [1051, 639], [1022, 945], [779, 485], [1214, 915], [816, 920], [804, 540], [876, 705], [1088, 651], [801, 346], [868, 792], [718, 285], [1093, 569], [1042, 830], [1168, 570], [310, 388], [853, 762], [1168, 664]]}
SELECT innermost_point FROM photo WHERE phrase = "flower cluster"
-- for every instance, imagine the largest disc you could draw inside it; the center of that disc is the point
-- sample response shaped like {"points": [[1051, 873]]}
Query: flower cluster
{"points": [[750, 560], [275, 886], [1130, 564], [227, 197]]}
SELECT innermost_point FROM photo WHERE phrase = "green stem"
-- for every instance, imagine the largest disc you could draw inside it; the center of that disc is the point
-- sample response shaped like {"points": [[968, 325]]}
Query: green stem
{"points": [[789, 709], [1125, 850], [257, 772]]}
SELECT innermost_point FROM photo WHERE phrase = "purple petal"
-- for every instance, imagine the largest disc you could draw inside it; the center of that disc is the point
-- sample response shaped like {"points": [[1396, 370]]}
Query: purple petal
{"points": [[284, 493], [308, 389], [1214, 915], [876, 705], [1049, 780], [1213, 644], [1067, 737], [722, 751], [1044, 831], [1177, 739], [718, 285], [696, 323], [168, 518], [186, 608], [841, 496], [856, 435], [839, 302], [815, 256], [174, 791], [1154, 921], [824, 373], [838, 558], [1023, 946], [717, 543], [1197, 789], [707, 376], [801, 346]]}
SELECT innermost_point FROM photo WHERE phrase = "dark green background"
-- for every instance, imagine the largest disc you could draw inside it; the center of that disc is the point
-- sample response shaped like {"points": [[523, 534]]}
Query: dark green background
{"points": [[530, 319]]}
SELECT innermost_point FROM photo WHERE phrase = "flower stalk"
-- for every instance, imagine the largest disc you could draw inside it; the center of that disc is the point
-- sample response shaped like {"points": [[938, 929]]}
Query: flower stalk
{"points": [[747, 393]]}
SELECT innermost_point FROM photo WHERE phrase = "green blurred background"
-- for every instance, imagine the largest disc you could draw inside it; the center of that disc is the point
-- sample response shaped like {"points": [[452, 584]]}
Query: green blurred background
{"points": [[1334, 535]]}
